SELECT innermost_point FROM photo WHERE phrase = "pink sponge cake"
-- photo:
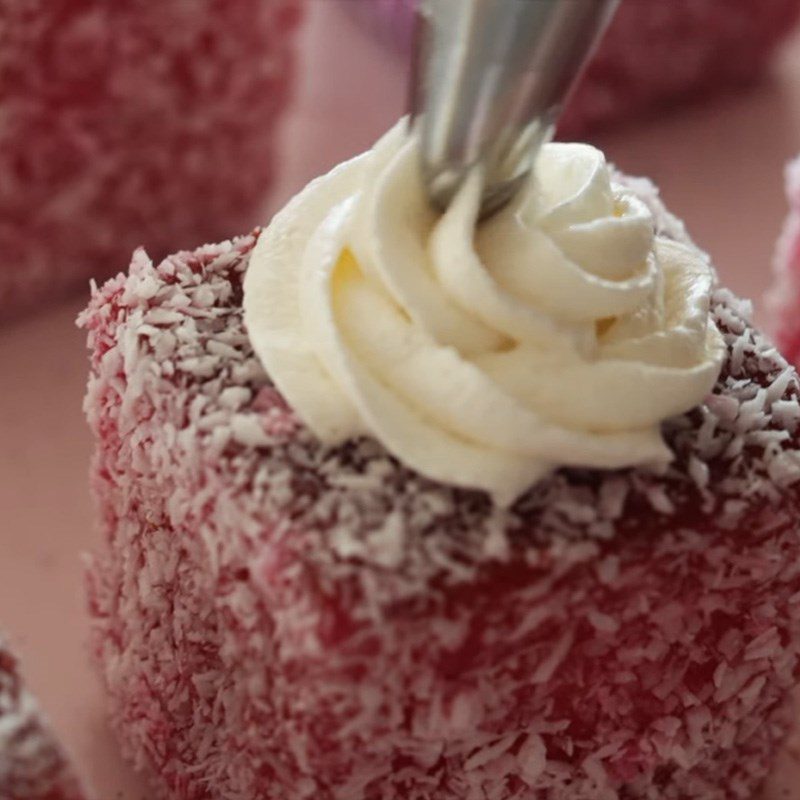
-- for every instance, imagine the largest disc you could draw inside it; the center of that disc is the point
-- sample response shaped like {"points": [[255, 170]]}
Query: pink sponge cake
{"points": [[784, 295], [118, 120], [654, 54], [568, 613], [32, 764]]}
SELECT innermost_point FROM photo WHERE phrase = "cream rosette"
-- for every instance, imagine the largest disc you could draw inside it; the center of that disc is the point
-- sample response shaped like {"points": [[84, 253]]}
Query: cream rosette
{"points": [[560, 332]]}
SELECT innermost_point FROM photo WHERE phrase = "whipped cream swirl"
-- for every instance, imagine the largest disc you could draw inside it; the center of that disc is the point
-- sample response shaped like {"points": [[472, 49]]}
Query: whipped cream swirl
{"points": [[559, 332]]}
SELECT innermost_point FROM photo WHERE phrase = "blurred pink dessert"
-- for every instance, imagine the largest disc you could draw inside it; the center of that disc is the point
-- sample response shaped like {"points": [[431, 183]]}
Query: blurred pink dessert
{"points": [[654, 55], [32, 764], [783, 299], [121, 125], [281, 616]]}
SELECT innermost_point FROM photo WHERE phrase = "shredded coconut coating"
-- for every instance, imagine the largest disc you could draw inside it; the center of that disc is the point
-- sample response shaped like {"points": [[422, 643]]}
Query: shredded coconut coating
{"points": [[783, 298], [277, 620], [32, 764], [654, 54], [130, 122]]}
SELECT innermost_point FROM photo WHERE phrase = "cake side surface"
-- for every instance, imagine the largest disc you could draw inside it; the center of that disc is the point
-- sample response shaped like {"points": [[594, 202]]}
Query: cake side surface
{"points": [[272, 616]]}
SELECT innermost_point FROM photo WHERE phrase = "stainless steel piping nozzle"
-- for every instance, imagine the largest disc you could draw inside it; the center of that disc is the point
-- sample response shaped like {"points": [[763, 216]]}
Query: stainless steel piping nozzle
{"points": [[490, 78]]}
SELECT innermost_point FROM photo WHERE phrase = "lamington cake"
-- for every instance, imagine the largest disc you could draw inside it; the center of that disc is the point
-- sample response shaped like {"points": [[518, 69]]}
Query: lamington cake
{"points": [[118, 120], [33, 766], [316, 584], [653, 56], [783, 298]]}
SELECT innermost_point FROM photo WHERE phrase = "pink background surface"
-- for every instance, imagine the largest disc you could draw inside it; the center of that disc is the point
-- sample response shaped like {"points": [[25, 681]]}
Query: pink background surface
{"points": [[719, 166]]}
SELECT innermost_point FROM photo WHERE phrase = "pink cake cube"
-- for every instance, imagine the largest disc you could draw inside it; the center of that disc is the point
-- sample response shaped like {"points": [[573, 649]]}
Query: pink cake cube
{"points": [[654, 55], [33, 765], [275, 620], [783, 299], [122, 123]]}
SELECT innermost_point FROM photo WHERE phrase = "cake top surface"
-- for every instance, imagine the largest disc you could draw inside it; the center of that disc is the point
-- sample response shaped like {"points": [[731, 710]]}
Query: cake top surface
{"points": [[169, 340]]}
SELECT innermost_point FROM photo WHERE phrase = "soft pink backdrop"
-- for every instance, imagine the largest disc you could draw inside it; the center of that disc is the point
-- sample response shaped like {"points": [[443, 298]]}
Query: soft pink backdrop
{"points": [[719, 165]]}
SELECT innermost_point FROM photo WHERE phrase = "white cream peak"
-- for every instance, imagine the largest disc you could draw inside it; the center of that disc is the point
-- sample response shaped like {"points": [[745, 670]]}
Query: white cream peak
{"points": [[560, 332]]}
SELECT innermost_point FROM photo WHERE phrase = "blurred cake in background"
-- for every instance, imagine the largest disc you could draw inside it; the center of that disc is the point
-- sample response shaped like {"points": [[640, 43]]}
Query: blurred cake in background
{"points": [[122, 123], [783, 298], [32, 764], [654, 54]]}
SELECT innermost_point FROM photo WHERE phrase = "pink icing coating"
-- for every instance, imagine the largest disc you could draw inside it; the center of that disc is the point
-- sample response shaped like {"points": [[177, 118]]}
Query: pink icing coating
{"points": [[274, 619]]}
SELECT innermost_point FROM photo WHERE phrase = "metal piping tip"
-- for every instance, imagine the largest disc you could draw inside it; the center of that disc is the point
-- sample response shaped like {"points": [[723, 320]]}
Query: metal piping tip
{"points": [[489, 80]]}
